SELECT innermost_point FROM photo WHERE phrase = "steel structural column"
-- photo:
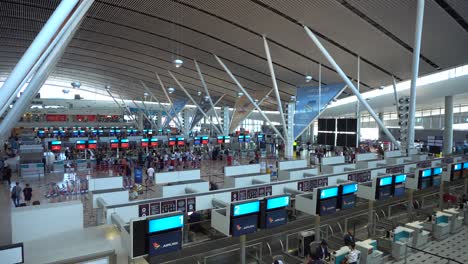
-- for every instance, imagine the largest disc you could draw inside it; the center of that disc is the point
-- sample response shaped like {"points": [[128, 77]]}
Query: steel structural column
{"points": [[288, 148], [202, 79], [381, 116], [43, 72], [358, 110], [28, 61], [395, 94], [187, 115], [170, 102], [226, 120], [193, 100], [448, 125], [248, 96], [275, 88], [161, 107], [414, 76], [350, 85]]}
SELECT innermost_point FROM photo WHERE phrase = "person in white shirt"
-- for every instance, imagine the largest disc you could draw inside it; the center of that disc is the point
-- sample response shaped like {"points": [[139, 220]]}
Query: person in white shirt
{"points": [[353, 255], [150, 172]]}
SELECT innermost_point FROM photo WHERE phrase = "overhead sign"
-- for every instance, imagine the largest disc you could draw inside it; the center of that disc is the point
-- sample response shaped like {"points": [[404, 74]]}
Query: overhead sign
{"points": [[243, 108], [277, 202], [246, 208], [307, 104]]}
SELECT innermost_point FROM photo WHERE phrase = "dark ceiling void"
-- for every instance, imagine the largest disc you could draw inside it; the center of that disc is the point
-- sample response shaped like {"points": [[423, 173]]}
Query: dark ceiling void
{"points": [[293, 20], [453, 13], [386, 32]]}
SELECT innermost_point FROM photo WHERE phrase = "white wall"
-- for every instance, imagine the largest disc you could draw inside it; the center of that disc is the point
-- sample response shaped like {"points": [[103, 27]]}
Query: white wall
{"points": [[39, 221]]}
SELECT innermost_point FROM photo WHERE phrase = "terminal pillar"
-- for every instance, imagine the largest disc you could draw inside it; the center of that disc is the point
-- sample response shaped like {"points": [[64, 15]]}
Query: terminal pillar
{"points": [[317, 228], [226, 120], [371, 215], [140, 120], [448, 126], [289, 134], [187, 115], [242, 243], [160, 119], [381, 115]]}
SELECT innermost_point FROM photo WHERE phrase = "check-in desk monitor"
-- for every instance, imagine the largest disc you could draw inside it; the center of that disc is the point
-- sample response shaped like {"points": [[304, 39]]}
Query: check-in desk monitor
{"points": [[347, 197], [244, 217], [436, 176], [399, 181]]}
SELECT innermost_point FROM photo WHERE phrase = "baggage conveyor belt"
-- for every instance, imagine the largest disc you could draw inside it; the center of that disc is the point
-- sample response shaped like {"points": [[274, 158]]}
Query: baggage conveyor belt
{"points": [[194, 253]]}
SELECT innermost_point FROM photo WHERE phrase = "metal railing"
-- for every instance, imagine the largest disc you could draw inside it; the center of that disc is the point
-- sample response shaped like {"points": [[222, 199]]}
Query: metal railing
{"points": [[429, 253]]}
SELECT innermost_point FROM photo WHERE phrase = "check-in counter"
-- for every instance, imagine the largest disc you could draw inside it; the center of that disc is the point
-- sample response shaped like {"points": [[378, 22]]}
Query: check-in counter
{"points": [[398, 160], [176, 176], [296, 174], [246, 180], [370, 164], [181, 188], [338, 168]]}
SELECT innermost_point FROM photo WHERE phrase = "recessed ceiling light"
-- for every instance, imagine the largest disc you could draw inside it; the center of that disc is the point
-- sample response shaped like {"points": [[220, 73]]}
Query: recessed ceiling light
{"points": [[178, 63]]}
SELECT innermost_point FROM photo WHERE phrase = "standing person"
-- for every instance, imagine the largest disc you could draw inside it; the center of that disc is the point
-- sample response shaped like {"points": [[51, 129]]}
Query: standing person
{"points": [[16, 194], [27, 192], [322, 251], [353, 255], [7, 173], [150, 172], [349, 238]]}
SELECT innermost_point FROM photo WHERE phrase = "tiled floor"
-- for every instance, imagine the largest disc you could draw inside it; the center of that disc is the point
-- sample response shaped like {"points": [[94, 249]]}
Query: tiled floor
{"points": [[454, 247]]}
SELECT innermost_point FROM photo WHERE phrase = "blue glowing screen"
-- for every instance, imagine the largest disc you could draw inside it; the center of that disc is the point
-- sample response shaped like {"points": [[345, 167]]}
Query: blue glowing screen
{"points": [[426, 173], [457, 167], [437, 171], [246, 208], [385, 181], [328, 193], [400, 178], [277, 202], [166, 223], [350, 188]]}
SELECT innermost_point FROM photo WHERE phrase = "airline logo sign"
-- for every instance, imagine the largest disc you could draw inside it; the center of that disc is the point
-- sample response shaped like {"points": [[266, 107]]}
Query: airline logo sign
{"points": [[276, 218], [165, 242], [244, 225]]}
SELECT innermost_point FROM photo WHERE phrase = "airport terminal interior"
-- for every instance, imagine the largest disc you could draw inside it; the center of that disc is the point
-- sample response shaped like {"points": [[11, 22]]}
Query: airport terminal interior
{"points": [[246, 131]]}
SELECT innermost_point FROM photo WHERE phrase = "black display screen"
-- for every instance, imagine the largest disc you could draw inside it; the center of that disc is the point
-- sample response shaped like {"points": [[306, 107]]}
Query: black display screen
{"points": [[347, 125], [140, 239]]}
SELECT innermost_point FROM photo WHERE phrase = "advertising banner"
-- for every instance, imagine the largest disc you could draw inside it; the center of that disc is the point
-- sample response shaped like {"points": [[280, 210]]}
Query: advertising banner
{"points": [[307, 104], [276, 218], [179, 104], [244, 225], [138, 174], [243, 108], [206, 106], [165, 242]]}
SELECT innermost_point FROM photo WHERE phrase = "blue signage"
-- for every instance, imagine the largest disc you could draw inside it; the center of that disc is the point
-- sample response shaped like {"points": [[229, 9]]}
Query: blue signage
{"points": [[348, 201], [92, 141], [246, 208], [350, 188], [244, 225], [276, 218], [247, 139], [328, 193], [277, 202], [327, 207], [399, 191], [166, 223], [426, 173], [400, 178], [465, 165], [385, 181], [437, 171], [385, 192], [56, 143], [81, 142], [165, 243], [457, 167], [138, 173]]}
